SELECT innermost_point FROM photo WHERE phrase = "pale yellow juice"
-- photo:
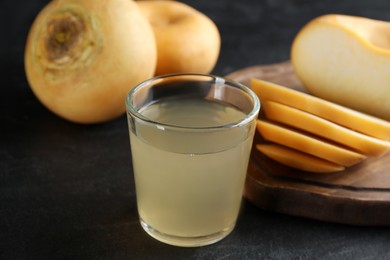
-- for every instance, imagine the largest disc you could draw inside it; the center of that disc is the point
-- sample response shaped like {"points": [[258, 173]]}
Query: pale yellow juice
{"points": [[190, 183]]}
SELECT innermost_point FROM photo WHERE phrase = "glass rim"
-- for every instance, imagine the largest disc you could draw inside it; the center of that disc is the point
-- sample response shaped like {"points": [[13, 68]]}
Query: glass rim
{"points": [[244, 121]]}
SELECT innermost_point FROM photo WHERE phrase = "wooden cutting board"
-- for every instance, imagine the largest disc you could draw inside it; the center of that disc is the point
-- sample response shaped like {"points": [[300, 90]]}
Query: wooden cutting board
{"points": [[360, 195]]}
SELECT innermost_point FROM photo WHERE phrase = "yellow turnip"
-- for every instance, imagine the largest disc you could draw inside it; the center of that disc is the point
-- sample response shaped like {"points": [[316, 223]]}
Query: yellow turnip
{"points": [[83, 56]]}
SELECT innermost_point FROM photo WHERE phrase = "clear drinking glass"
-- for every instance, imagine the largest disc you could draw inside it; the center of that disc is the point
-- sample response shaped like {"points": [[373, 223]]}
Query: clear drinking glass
{"points": [[191, 137]]}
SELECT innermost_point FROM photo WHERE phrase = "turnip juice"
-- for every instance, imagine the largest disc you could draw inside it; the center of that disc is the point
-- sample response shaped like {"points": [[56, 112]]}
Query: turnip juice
{"points": [[190, 159]]}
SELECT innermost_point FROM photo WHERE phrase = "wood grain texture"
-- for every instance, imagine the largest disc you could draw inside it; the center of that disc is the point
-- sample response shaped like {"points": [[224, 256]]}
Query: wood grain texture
{"points": [[360, 195]]}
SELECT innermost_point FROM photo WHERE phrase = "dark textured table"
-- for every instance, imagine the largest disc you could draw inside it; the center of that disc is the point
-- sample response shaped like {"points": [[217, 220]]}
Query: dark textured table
{"points": [[67, 190]]}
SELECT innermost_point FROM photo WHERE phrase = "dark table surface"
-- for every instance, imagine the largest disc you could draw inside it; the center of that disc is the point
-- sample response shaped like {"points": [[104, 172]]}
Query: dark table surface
{"points": [[67, 190]]}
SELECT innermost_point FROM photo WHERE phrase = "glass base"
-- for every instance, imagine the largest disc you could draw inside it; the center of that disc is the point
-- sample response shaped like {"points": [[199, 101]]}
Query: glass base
{"points": [[186, 241]]}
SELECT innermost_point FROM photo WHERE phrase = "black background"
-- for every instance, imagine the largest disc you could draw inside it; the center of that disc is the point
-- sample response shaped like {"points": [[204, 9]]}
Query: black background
{"points": [[67, 190]]}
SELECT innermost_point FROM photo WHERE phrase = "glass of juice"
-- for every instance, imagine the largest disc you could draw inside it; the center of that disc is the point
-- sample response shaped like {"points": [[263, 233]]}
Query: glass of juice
{"points": [[191, 137]]}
